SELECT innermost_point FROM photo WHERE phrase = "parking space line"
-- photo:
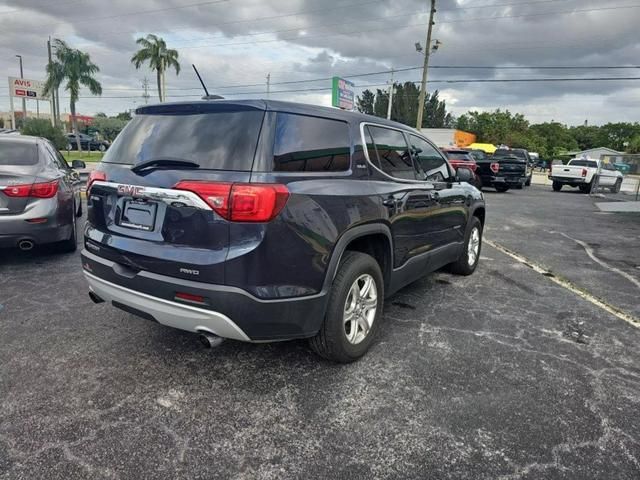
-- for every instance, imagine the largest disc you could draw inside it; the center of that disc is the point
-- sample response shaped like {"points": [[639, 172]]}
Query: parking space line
{"points": [[566, 284]]}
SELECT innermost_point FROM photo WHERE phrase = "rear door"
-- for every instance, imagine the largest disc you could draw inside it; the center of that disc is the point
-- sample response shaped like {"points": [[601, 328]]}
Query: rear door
{"points": [[19, 165], [150, 218]]}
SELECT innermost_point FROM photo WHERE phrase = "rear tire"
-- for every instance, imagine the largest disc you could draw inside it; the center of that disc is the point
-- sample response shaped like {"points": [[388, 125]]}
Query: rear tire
{"points": [[501, 188], [468, 261], [337, 340], [557, 186], [71, 244]]}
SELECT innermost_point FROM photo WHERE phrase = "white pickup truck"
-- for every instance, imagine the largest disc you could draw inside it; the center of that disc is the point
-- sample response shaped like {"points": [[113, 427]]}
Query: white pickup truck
{"points": [[581, 172]]}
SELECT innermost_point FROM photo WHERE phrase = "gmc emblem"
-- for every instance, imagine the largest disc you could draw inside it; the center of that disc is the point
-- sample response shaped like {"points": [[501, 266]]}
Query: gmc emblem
{"points": [[130, 190]]}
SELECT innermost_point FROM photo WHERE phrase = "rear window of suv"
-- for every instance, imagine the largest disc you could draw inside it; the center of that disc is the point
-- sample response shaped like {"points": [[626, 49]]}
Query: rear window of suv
{"points": [[310, 144], [18, 153], [216, 140]]}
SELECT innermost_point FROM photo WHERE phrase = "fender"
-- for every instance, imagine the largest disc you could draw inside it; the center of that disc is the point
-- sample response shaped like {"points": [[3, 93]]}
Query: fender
{"points": [[346, 238]]}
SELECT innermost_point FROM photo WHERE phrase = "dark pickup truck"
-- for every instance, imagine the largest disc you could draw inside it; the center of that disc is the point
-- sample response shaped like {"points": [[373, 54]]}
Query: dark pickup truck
{"points": [[501, 171]]}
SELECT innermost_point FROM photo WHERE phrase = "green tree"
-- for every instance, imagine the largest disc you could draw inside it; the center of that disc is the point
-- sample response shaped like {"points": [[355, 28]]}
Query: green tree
{"points": [[364, 102], [587, 136], [493, 127], [615, 135], [381, 103], [124, 116], [634, 145], [154, 51], [39, 127], [109, 128], [77, 70], [556, 138]]}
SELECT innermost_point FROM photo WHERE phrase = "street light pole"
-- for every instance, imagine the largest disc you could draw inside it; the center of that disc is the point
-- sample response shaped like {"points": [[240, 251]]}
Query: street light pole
{"points": [[390, 97], [425, 67], [24, 102]]}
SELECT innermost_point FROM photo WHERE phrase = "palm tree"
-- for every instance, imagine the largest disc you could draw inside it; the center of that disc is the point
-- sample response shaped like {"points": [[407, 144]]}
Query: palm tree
{"points": [[154, 50], [77, 69]]}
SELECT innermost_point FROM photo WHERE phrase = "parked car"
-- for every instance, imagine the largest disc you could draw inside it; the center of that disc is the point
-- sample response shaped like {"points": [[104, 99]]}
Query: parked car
{"points": [[522, 154], [463, 158], [501, 172], [87, 142], [273, 221], [581, 172], [39, 194], [622, 167]]}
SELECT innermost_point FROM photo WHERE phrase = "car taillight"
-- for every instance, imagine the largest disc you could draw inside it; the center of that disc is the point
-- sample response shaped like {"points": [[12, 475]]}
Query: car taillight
{"points": [[95, 175], [584, 172], [240, 202], [495, 167], [36, 190]]}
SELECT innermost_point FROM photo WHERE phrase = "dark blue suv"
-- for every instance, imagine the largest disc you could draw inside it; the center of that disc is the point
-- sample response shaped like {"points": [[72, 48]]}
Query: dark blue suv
{"points": [[263, 221]]}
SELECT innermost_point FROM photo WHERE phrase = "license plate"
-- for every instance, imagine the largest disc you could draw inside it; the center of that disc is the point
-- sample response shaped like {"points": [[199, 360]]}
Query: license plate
{"points": [[139, 214]]}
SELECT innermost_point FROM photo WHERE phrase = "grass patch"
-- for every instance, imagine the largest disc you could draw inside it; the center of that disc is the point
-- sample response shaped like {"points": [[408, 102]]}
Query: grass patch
{"points": [[85, 156]]}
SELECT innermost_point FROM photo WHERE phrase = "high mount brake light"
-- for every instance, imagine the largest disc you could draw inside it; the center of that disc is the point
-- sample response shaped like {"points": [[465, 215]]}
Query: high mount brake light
{"points": [[495, 167], [95, 175], [35, 190], [240, 202]]}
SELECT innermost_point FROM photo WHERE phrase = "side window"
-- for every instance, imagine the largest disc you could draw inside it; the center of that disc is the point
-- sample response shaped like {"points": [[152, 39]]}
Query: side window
{"points": [[310, 144], [394, 158], [429, 160], [371, 147], [57, 159]]}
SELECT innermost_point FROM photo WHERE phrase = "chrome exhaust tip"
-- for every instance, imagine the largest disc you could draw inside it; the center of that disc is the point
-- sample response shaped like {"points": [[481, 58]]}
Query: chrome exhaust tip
{"points": [[26, 245], [209, 340]]}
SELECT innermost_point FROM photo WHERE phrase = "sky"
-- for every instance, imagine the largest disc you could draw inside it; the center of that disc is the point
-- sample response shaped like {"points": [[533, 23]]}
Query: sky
{"points": [[236, 43]]}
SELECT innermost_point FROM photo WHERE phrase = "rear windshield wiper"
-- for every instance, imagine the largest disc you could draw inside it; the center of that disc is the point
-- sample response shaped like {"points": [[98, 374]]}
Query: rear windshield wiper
{"points": [[163, 163]]}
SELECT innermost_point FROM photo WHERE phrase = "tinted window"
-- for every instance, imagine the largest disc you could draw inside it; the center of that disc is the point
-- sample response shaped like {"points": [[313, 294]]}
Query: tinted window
{"points": [[310, 144], [478, 155], [223, 140], [393, 153], [18, 153], [430, 161], [584, 163], [510, 153]]}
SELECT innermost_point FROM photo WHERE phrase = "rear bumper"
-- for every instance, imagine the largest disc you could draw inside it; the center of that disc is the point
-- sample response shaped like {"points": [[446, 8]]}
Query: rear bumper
{"points": [[503, 180], [228, 312], [567, 180], [14, 228]]}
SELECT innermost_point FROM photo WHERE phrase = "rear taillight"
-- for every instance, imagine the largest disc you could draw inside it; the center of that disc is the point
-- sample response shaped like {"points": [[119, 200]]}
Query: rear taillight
{"points": [[36, 190], [240, 202], [95, 175], [495, 167], [584, 172]]}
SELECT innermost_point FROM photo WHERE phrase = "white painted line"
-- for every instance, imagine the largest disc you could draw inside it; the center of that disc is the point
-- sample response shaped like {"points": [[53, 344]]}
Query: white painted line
{"points": [[567, 284]]}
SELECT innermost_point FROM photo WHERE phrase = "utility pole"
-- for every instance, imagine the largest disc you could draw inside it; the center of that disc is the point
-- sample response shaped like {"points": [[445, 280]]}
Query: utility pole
{"points": [[425, 68], [145, 86], [54, 117], [24, 102], [391, 87], [268, 84]]}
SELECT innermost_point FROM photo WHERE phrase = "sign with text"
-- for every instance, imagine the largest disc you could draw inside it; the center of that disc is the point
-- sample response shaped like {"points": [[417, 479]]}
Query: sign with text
{"points": [[25, 88], [342, 94]]}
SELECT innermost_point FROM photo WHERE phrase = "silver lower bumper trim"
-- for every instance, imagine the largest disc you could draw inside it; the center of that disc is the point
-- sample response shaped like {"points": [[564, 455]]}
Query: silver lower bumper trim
{"points": [[172, 314]]}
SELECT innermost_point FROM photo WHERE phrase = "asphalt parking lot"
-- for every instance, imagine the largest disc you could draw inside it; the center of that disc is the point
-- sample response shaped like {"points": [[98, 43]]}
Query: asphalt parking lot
{"points": [[503, 374]]}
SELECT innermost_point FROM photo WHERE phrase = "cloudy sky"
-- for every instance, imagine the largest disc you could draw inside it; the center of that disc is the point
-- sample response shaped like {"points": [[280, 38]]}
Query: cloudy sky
{"points": [[236, 43]]}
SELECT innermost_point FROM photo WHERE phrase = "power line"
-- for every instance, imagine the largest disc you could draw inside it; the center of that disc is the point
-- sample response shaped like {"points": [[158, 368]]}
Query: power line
{"points": [[447, 81]]}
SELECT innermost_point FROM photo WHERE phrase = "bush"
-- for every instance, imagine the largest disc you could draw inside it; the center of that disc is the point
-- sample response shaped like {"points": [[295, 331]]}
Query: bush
{"points": [[39, 127], [109, 128]]}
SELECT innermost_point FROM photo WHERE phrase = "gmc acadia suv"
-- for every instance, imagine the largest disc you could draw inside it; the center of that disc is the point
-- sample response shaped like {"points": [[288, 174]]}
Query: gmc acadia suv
{"points": [[264, 221]]}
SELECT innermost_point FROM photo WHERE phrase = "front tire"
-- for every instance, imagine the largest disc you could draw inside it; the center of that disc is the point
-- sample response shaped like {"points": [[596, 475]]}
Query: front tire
{"points": [[468, 261], [501, 188], [353, 311]]}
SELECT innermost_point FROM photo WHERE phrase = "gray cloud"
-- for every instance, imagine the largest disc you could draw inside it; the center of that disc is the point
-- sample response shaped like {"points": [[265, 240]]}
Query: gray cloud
{"points": [[237, 42]]}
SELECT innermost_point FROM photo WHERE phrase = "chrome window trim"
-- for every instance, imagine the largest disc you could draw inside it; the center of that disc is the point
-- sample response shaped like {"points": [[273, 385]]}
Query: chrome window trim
{"points": [[166, 195], [366, 153]]}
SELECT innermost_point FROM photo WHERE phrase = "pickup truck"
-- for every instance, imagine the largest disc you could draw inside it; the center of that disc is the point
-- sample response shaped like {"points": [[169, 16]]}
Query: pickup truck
{"points": [[523, 155], [501, 172], [581, 172]]}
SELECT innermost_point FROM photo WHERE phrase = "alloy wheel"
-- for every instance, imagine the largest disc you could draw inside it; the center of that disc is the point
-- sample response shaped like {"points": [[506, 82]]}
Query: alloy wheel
{"points": [[360, 308]]}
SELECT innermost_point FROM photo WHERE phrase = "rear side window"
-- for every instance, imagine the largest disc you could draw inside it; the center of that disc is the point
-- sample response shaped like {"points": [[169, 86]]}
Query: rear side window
{"points": [[458, 156], [18, 153], [394, 158], [431, 162], [224, 140], [310, 144]]}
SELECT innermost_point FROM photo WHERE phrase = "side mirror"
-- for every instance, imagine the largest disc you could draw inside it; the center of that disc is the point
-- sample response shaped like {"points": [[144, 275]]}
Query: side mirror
{"points": [[78, 164], [464, 175]]}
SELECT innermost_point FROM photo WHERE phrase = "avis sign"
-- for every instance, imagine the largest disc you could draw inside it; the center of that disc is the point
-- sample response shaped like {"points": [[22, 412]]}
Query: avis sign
{"points": [[25, 88]]}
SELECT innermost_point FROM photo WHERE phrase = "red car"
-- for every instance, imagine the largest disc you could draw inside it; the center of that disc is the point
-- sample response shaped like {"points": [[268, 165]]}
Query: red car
{"points": [[462, 158]]}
